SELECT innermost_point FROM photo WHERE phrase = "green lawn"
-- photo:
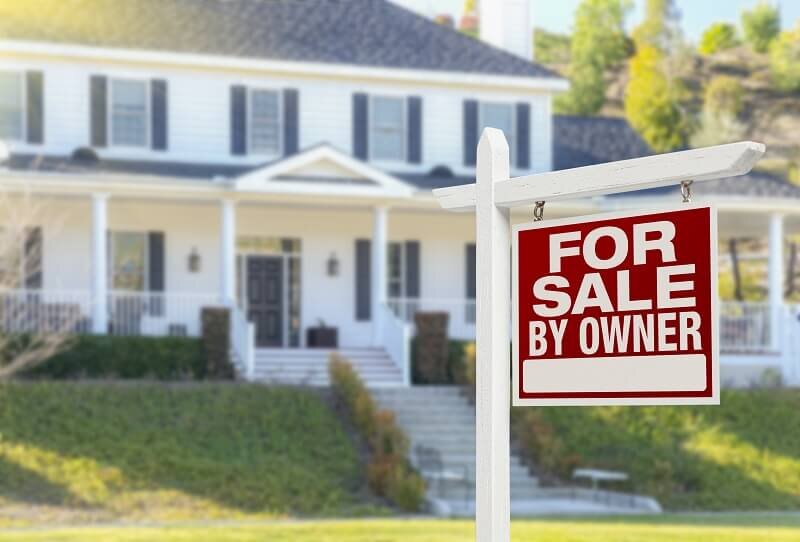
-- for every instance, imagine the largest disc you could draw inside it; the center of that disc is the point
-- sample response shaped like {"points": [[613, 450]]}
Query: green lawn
{"points": [[88, 452], [671, 528], [741, 455]]}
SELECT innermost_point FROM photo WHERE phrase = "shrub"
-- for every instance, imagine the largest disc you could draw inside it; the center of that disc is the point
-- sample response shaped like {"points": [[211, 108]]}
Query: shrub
{"points": [[723, 94], [784, 60], [716, 129], [718, 37], [105, 356], [216, 324], [389, 474], [760, 26]]}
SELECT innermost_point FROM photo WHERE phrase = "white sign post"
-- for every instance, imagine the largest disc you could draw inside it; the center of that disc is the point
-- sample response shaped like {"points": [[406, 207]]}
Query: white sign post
{"points": [[492, 196]]}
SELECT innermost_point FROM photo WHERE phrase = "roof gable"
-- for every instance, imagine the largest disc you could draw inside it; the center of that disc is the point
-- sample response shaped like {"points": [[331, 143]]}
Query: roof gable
{"points": [[323, 170], [375, 33]]}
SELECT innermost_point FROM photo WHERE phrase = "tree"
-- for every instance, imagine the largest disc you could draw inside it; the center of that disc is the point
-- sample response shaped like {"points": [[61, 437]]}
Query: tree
{"points": [[719, 120], [551, 47], [660, 27], [598, 43], [32, 328], [784, 60], [760, 26], [652, 102], [654, 92], [718, 37]]}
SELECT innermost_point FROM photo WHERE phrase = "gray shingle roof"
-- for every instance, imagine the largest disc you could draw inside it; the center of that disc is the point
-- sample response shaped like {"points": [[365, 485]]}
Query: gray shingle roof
{"points": [[585, 141], [374, 33]]}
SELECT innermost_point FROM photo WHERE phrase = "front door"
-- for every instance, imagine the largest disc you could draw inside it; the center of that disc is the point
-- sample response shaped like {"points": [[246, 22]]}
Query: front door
{"points": [[265, 298]]}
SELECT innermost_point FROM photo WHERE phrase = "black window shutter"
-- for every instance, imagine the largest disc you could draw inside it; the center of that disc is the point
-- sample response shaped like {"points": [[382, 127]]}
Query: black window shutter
{"points": [[33, 258], [412, 269], [291, 121], [363, 280], [238, 120], [414, 129], [523, 136], [98, 92], [34, 83], [470, 132], [360, 128], [155, 272], [469, 268], [159, 114]]}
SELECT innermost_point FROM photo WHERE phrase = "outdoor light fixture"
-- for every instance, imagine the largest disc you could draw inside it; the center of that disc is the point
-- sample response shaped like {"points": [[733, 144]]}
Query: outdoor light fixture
{"points": [[333, 265], [194, 261]]}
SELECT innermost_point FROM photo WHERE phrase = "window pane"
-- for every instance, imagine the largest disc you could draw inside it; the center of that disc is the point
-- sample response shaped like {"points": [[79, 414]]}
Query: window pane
{"points": [[264, 122], [129, 113], [386, 139], [500, 116], [128, 265], [10, 106]]}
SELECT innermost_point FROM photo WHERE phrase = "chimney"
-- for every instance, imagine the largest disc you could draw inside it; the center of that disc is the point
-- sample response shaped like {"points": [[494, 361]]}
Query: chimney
{"points": [[506, 24]]}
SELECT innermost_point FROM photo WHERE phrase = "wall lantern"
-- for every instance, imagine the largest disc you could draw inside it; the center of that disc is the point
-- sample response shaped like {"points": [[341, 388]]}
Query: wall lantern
{"points": [[194, 261], [333, 265]]}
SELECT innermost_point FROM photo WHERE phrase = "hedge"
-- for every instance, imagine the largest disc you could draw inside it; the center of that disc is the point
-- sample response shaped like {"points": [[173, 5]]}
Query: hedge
{"points": [[456, 363], [389, 473], [104, 356]]}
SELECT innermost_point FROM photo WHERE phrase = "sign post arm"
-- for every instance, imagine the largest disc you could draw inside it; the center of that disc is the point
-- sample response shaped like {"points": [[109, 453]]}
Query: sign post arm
{"points": [[493, 306]]}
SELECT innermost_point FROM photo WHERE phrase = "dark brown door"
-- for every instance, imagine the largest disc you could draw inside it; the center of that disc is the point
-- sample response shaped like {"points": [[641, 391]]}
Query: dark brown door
{"points": [[265, 298]]}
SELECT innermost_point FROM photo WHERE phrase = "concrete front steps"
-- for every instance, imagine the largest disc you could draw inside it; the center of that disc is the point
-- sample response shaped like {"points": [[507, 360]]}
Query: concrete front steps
{"points": [[440, 417], [309, 366]]}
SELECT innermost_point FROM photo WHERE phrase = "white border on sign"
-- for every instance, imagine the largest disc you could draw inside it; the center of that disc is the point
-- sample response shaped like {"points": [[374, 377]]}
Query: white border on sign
{"points": [[601, 401]]}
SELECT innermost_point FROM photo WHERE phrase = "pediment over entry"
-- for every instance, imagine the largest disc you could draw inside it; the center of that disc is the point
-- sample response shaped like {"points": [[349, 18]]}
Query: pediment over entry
{"points": [[323, 169]]}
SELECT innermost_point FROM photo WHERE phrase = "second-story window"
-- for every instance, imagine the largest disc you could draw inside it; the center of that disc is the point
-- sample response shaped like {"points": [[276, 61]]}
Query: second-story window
{"points": [[387, 128], [265, 123], [500, 116], [129, 112], [11, 106]]}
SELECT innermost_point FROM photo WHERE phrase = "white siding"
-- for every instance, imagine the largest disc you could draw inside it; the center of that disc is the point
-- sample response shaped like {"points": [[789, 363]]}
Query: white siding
{"points": [[199, 109]]}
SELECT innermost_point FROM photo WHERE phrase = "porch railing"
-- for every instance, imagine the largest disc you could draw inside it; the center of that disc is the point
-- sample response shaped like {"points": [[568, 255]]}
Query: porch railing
{"points": [[461, 324], [129, 313], [157, 314], [43, 311], [744, 326], [396, 335]]}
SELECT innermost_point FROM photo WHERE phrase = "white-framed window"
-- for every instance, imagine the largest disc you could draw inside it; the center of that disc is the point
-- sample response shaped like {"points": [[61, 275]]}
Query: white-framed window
{"points": [[129, 112], [500, 116], [127, 253], [387, 128], [396, 269], [265, 124], [12, 106]]}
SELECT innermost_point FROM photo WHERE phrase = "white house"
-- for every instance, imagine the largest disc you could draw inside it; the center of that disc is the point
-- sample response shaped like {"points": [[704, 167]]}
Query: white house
{"points": [[278, 158]]}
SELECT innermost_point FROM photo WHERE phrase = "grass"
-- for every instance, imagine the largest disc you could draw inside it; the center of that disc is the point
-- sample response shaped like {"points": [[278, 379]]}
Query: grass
{"points": [[741, 455], [77, 452], [660, 529]]}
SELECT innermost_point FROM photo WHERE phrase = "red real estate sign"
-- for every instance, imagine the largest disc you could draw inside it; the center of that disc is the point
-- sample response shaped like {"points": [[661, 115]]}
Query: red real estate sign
{"points": [[616, 309]]}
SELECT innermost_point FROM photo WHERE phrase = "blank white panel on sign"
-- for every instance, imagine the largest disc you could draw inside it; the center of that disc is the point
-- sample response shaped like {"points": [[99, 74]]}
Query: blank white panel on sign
{"points": [[615, 374]]}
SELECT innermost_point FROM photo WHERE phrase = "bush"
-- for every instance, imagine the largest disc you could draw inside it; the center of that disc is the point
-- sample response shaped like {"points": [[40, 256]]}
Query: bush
{"points": [[389, 474], [784, 60], [760, 26], [216, 324], [723, 94], [718, 37], [106, 356]]}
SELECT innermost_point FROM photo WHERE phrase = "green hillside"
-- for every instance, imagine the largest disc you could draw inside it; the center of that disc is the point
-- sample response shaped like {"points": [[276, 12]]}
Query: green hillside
{"points": [[741, 455], [106, 451]]}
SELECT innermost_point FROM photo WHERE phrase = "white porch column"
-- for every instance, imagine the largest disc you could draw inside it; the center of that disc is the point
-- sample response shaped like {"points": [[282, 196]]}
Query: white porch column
{"points": [[776, 279], [379, 242], [227, 252], [99, 263]]}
